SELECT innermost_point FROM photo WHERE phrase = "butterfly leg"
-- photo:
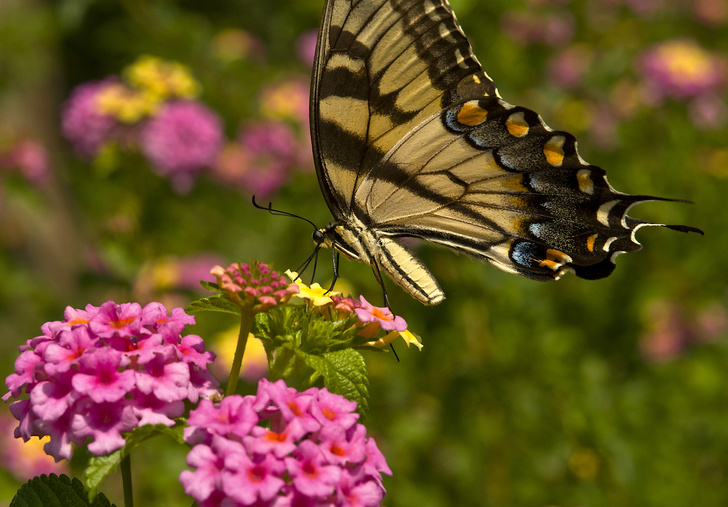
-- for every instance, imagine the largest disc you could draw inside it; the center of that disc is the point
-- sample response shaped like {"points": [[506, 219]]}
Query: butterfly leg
{"points": [[380, 280], [335, 261]]}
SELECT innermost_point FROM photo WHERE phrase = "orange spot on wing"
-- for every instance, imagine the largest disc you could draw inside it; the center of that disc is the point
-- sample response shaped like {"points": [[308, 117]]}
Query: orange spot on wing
{"points": [[554, 151], [471, 114], [516, 125], [590, 242]]}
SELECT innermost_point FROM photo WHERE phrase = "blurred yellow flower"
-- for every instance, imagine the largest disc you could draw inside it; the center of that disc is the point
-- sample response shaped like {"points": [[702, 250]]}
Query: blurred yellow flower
{"points": [[160, 79], [125, 104], [255, 361]]}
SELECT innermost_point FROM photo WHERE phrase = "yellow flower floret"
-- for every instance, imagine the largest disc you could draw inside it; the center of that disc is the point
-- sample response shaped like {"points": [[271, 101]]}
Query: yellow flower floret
{"points": [[161, 79], [407, 336], [314, 293], [125, 104]]}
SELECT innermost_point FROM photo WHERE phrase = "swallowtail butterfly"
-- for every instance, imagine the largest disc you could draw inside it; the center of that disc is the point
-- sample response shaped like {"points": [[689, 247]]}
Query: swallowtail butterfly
{"points": [[411, 138]]}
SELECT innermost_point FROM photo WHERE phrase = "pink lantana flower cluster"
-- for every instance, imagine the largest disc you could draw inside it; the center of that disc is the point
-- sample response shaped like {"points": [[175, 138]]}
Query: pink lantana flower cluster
{"points": [[282, 448], [104, 371], [152, 109], [255, 286]]}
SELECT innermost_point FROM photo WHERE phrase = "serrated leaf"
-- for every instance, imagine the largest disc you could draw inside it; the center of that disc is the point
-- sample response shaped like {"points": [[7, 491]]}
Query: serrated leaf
{"points": [[211, 286], [54, 491], [148, 431], [216, 303], [99, 468], [344, 372]]}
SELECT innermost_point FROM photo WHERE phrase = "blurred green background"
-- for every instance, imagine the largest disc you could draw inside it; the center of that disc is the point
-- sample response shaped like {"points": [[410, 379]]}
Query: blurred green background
{"points": [[575, 393]]}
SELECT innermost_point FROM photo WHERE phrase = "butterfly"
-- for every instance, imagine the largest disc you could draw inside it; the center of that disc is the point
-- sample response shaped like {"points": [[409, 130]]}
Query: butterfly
{"points": [[411, 138]]}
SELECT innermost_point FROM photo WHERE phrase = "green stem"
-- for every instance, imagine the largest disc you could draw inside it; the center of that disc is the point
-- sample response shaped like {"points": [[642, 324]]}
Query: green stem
{"points": [[246, 324], [126, 480]]}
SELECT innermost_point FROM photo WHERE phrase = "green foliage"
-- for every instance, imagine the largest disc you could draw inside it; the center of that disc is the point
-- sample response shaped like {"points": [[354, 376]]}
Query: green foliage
{"points": [[312, 349], [54, 491]]}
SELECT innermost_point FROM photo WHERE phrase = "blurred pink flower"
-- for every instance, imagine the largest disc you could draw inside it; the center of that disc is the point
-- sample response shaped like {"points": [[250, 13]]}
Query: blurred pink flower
{"points": [[712, 13], [262, 161], [567, 68], [28, 157], [673, 329], [668, 335], [306, 47], [534, 28], [287, 100], [680, 68], [708, 112], [645, 8], [712, 322], [232, 44], [182, 140], [25, 460], [82, 121]]}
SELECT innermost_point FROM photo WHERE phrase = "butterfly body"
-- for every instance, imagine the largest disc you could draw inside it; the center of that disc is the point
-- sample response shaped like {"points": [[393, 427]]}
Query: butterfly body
{"points": [[411, 138]]}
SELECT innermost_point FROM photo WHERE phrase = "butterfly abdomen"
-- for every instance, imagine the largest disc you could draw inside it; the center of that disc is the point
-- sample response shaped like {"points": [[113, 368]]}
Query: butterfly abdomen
{"points": [[384, 254]]}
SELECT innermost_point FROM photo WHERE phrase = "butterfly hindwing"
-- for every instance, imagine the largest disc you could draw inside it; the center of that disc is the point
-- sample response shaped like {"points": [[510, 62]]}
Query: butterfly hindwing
{"points": [[411, 138]]}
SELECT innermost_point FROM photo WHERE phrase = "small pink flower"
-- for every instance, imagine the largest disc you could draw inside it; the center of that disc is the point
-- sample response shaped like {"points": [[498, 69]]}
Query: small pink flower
{"points": [[265, 441], [103, 382], [330, 408], [356, 493], [234, 415], [104, 422], [311, 476], [248, 481], [116, 320], [383, 316], [207, 479]]}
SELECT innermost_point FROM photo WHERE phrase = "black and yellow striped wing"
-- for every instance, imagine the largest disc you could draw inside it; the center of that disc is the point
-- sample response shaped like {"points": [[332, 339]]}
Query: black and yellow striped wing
{"points": [[411, 138]]}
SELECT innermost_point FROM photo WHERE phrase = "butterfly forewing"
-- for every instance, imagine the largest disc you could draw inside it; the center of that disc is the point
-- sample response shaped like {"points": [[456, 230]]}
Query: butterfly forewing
{"points": [[411, 138], [374, 81]]}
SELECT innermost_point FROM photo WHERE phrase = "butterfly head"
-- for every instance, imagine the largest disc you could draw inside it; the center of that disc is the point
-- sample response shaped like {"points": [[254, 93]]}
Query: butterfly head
{"points": [[336, 237]]}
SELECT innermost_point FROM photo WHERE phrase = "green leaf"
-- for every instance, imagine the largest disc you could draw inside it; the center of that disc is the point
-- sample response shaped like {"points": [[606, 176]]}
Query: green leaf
{"points": [[148, 431], [344, 372], [99, 468], [216, 303], [54, 491], [211, 286]]}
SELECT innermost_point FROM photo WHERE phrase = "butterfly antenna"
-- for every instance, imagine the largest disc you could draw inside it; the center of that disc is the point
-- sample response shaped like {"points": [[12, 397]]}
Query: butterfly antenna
{"points": [[270, 209]]}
